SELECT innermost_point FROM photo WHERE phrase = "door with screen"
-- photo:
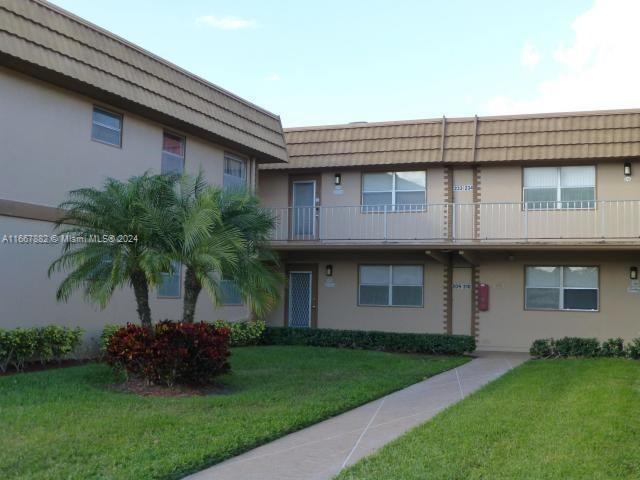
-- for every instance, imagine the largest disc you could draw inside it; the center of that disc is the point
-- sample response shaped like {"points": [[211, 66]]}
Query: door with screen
{"points": [[300, 298]]}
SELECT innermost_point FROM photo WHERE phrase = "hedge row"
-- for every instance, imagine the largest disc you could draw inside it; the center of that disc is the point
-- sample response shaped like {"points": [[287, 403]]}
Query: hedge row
{"points": [[370, 340], [37, 344], [584, 347]]}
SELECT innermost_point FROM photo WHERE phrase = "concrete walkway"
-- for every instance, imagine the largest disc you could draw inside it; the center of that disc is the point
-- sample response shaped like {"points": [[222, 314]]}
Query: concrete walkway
{"points": [[319, 452]]}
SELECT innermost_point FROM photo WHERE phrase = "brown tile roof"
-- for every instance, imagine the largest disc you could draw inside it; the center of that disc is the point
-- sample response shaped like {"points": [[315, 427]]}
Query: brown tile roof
{"points": [[49, 43], [517, 138]]}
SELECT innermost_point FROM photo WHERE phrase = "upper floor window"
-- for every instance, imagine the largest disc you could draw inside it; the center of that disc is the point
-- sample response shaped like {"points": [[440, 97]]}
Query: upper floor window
{"points": [[172, 153], [559, 187], [394, 191], [235, 171], [561, 288], [170, 284], [391, 285], [106, 127]]}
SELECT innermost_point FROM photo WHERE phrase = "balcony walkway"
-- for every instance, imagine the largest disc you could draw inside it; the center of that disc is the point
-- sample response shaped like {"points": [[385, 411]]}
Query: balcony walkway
{"points": [[481, 225]]}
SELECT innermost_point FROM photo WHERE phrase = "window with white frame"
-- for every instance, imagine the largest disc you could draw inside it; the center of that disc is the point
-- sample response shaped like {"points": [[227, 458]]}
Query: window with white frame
{"points": [[391, 285], [394, 191], [559, 187], [235, 171], [561, 288], [172, 153], [170, 282], [106, 127], [231, 294]]}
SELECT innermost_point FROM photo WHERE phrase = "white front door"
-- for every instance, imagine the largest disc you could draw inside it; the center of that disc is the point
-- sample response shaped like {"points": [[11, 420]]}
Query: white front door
{"points": [[304, 209], [300, 298]]}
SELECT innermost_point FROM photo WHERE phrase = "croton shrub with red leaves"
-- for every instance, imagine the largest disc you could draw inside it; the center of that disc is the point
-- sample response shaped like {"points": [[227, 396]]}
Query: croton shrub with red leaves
{"points": [[174, 352]]}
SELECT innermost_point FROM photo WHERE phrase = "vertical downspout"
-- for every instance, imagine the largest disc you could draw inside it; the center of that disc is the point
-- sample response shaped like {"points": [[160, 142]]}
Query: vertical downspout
{"points": [[476, 196]]}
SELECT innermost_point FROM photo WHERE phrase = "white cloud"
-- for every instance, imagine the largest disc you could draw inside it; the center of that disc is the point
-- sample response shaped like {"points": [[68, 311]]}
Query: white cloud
{"points": [[598, 70], [273, 77], [529, 57], [226, 22]]}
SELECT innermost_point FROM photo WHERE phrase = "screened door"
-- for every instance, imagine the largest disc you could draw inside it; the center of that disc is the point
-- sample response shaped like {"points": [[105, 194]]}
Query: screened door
{"points": [[300, 298], [304, 210]]}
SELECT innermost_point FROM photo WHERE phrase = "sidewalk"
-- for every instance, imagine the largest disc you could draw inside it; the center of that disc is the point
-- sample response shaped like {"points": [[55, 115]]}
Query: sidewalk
{"points": [[319, 452]]}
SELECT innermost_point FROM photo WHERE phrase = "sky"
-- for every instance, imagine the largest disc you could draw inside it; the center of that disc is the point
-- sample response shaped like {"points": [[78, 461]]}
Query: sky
{"points": [[329, 62]]}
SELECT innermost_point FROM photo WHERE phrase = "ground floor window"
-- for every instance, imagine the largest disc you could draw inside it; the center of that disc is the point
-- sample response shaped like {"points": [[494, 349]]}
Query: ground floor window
{"points": [[170, 283], [231, 294], [391, 285], [561, 288]]}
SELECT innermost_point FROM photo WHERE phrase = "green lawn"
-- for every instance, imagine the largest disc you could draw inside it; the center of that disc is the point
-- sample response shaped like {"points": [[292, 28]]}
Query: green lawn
{"points": [[65, 424], [548, 419]]}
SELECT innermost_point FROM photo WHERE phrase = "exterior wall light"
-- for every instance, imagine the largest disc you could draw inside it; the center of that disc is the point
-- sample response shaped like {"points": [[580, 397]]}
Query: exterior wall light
{"points": [[329, 271], [337, 179], [633, 273], [627, 169]]}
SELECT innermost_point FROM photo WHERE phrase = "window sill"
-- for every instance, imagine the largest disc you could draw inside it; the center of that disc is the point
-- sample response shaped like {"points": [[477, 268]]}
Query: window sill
{"points": [[560, 310], [391, 306]]}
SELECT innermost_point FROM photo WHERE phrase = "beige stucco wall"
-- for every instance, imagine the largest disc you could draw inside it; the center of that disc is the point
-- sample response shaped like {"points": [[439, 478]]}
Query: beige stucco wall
{"points": [[28, 295], [341, 217], [45, 133], [273, 187], [47, 148], [338, 305], [504, 183], [508, 326]]}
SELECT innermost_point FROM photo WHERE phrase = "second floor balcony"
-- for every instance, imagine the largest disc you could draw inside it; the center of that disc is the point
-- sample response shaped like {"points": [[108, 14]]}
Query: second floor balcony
{"points": [[583, 222]]}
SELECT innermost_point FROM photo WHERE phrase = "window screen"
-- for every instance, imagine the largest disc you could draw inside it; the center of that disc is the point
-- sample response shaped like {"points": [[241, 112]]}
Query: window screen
{"points": [[106, 127], [170, 283], [394, 191], [391, 285], [561, 288], [172, 153], [559, 187], [235, 171]]}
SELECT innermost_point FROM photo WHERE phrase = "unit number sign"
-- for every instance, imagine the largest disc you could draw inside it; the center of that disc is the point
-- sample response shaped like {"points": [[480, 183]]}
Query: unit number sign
{"points": [[462, 188]]}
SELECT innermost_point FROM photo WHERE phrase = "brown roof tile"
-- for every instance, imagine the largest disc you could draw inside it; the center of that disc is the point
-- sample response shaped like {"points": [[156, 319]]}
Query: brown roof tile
{"points": [[54, 45], [517, 138]]}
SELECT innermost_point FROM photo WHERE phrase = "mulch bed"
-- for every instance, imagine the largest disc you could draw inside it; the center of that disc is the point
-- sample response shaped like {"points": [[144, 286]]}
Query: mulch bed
{"points": [[37, 366], [138, 386]]}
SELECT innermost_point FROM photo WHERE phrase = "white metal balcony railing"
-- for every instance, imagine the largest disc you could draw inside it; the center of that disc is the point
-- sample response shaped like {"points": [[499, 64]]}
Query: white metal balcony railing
{"points": [[457, 222]]}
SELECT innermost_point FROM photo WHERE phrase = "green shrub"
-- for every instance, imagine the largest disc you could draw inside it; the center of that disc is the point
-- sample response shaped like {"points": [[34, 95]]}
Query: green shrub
{"points": [[105, 336], [6, 350], [632, 349], [614, 347], [42, 344], [55, 342], [577, 347], [24, 343], [584, 347], [370, 340], [542, 348], [243, 333]]}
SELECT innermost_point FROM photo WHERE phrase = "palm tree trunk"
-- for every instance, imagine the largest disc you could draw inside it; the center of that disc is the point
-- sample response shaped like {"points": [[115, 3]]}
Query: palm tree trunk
{"points": [[141, 291], [192, 289]]}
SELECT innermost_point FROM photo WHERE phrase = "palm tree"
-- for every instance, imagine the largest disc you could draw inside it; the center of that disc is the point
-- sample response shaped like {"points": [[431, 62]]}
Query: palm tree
{"points": [[132, 213], [257, 274], [205, 245], [224, 234]]}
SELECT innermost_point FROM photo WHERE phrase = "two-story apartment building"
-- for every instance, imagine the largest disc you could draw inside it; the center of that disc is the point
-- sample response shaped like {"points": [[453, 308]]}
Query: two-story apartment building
{"points": [[79, 104], [506, 228]]}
